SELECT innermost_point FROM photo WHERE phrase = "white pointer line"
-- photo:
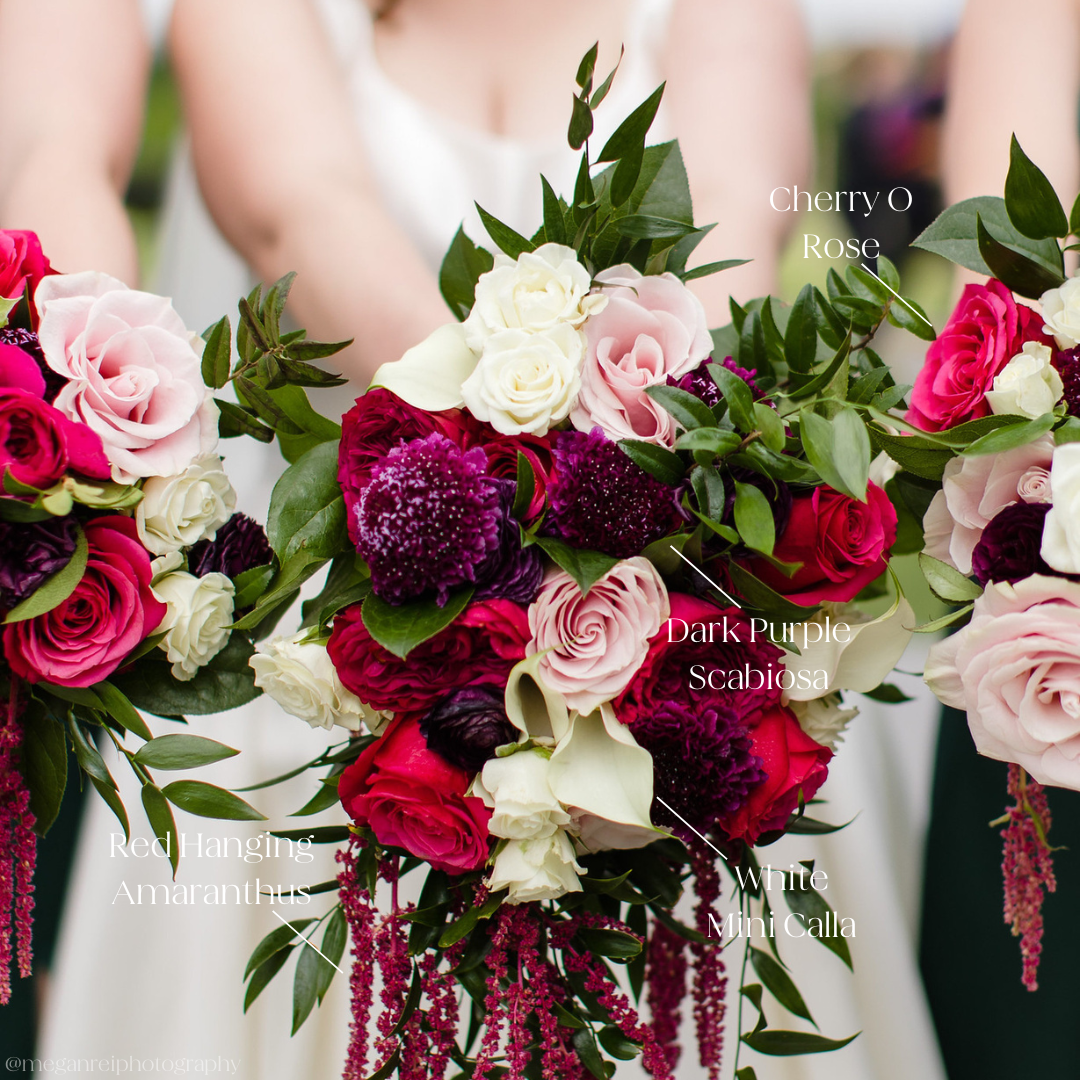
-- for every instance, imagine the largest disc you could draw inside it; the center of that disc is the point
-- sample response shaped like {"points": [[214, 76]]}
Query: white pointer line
{"points": [[898, 296], [306, 941], [734, 603], [686, 823]]}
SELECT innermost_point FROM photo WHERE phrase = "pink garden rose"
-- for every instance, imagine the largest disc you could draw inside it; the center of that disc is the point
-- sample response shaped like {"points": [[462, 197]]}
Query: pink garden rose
{"points": [[22, 262], [134, 370], [1015, 669], [985, 331], [597, 641], [85, 639], [651, 327], [976, 489]]}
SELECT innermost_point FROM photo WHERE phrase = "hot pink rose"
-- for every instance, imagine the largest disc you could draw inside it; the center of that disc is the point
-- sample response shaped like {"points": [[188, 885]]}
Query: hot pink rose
{"points": [[598, 641], [1015, 669], [480, 646], [134, 370], [985, 331], [22, 262], [85, 639], [18, 369], [411, 798], [976, 489], [38, 444], [651, 327]]}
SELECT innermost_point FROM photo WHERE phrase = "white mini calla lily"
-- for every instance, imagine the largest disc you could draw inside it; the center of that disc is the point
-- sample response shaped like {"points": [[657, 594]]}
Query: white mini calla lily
{"points": [[538, 712], [872, 650], [429, 375]]}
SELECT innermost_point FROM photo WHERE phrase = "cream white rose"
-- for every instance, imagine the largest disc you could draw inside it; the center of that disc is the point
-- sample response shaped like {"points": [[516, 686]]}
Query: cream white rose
{"points": [[197, 621], [517, 791], [301, 678], [178, 511], [538, 290], [1028, 385], [540, 869], [1061, 313], [526, 382], [1061, 530], [824, 719]]}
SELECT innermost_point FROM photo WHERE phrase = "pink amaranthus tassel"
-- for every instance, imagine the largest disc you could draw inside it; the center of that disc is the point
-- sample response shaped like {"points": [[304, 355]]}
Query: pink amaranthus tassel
{"points": [[1028, 868], [18, 850]]}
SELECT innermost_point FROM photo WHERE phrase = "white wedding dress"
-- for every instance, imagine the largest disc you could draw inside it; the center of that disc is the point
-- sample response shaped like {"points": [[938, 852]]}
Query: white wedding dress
{"points": [[152, 981]]}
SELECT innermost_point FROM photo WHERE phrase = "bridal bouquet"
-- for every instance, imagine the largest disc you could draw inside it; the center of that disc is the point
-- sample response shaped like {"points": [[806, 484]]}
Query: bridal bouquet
{"points": [[598, 581], [121, 560], [994, 445]]}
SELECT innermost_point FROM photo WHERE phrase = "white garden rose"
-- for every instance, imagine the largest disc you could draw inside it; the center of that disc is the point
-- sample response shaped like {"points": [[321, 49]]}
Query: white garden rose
{"points": [[1061, 529], [301, 678], [538, 290], [1061, 313], [196, 624], [526, 382], [178, 511], [516, 789], [824, 719], [1028, 385], [540, 869]]}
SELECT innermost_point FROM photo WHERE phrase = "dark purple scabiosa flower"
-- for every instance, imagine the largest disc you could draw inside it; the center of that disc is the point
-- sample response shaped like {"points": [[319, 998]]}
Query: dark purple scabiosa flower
{"points": [[428, 520], [29, 553], [602, 501], [703, 763], [701, 384], [467, 726], [239, 545], [1009, 547], [1067, 363], [511, 572]]}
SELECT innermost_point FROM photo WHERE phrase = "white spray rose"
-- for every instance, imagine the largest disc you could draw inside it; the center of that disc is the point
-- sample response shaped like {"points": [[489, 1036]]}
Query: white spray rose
{"points": [[197, 621], [178, 511], [526, 382], [540, 869], [516, 788], [1061, 529], [1028, 385], [1061, 313], [824, 719], [301, 678], [538, 290]]}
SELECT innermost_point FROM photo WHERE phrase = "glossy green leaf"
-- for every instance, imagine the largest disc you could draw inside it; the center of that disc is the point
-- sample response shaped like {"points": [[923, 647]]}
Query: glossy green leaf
{"points": [[307, 508], [217, 353], [55, 589], [264, 973], [461, 268], [779, 983], [667, 467], [754, 518], [1030, 199], [1009, 437], [278, 939], [689, 411], [182, 752], [632, 131], [554, 222], [399, 628], [947, 582], [851, 446], [333, 947], [614, 944], [740, 400], [792, 1043], [234, 420], [800, 338], [818, 439], [44, 761], [768, 422], [810, 904], [513, 243], [581, 123], [1019, 272], [121, 710], [524, 488], [160, 816], [707, 269], [305, 985], [206, 800], [712, 440], [585, 567]]}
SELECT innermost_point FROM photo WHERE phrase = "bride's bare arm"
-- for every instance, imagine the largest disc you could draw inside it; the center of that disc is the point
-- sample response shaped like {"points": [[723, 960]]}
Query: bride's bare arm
{"points": [[282, 169], [72, 81], [739, 94]]}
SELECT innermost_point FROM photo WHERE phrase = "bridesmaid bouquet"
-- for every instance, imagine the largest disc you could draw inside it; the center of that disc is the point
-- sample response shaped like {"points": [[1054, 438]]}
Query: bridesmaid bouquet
{"points": [[598, 581], [992, 457], [121, 559]]}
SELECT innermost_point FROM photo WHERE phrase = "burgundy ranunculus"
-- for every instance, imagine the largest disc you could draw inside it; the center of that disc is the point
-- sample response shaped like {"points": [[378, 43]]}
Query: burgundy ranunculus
{"points": [[1067, 363], [240, 544], [1009, 548], [22, 262], [480, 646], [411, 798], [502, 452], [30, 553], [468, 725], [843, 545], [85, 638], [39, 444], [985, 331]]}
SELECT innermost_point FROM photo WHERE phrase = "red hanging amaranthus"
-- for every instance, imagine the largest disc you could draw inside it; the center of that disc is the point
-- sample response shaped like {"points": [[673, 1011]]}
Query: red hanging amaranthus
{"points": [[710, 982], [18, 849], [1028, 868], [665, 976]]}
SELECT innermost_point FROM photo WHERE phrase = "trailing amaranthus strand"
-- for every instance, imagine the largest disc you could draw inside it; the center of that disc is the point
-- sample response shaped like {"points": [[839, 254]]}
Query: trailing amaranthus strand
{"points": [[710, 982], [441, 1015], [494, 1002], [1028, 868], [360, 914], [18, 850], [665, 977]]}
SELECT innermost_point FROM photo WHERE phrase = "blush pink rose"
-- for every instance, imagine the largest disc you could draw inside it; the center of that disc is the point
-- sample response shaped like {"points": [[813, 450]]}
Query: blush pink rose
{"points": [[975, 490], [22, 262], [597, 641], [652, 327], [85, 639], [1015, 669], [985, 331], [134, 373]]}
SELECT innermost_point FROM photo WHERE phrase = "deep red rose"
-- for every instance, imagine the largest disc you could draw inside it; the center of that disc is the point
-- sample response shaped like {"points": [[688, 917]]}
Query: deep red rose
{"points": [[480, 646], [85, 639], [22, 262], [502, 452], [843, 545], [793, 762], [666, 675], [411, 798], [39, 444], [985, 331]]}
